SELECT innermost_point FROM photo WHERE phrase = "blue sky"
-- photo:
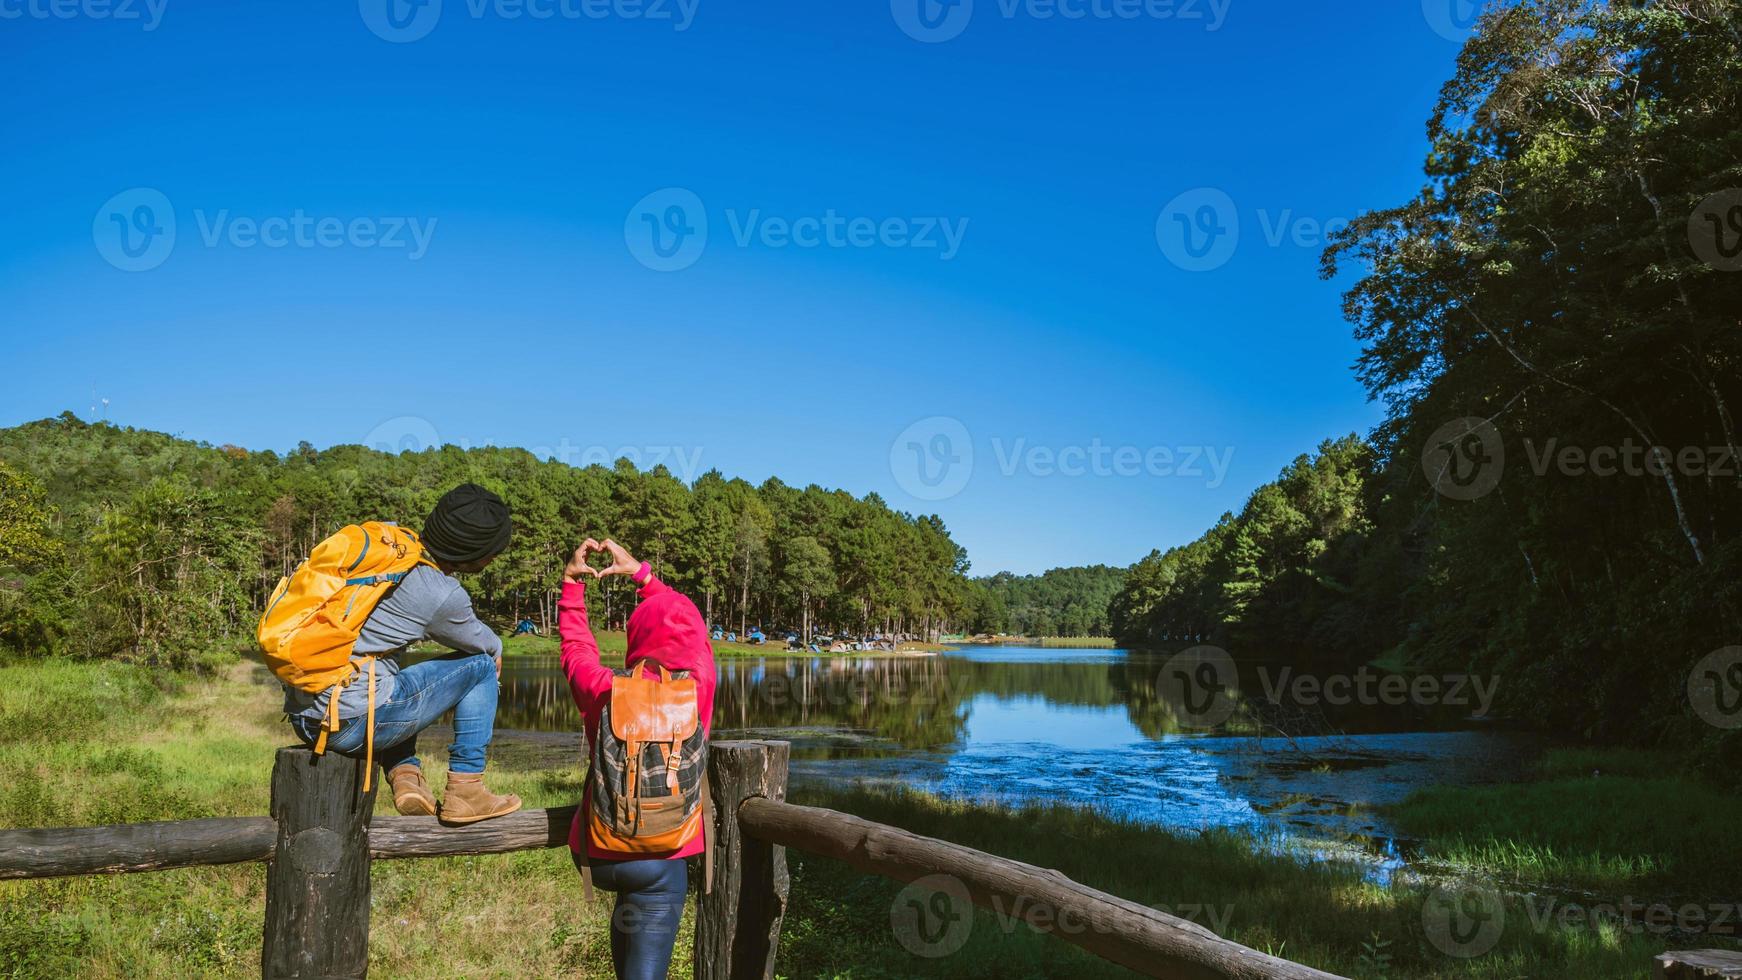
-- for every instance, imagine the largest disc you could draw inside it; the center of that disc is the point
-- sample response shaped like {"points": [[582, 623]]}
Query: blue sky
{"points": [[944, 256]]}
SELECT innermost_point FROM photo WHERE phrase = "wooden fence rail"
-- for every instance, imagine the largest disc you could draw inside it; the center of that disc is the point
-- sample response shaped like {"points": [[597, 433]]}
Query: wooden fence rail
{"points": [[321, 837], [54, 852]]}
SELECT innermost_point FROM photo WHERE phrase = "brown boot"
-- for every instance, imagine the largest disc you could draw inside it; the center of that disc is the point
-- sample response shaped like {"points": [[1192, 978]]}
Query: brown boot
{"points": [[411, 795], [467, 801]]}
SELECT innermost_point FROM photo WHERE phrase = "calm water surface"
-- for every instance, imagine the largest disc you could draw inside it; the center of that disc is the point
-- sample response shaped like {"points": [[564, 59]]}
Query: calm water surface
{"points": [[1023, 724]]}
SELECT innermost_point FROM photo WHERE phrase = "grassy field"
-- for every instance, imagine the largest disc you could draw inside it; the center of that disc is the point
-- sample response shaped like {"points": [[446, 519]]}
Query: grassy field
{"points": [[85, 744], [1091, 642], [1614, 822], [1054, 642]]}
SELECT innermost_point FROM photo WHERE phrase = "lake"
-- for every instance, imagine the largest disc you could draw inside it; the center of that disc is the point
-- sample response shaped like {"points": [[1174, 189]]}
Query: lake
{"points": [[1094, 728]]}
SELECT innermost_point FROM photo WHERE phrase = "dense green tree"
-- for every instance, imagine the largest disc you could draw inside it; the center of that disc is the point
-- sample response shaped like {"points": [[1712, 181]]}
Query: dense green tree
{"points": [[120, 542], [1557, 297], [807, 575], [1072, 601], [26, 522]]}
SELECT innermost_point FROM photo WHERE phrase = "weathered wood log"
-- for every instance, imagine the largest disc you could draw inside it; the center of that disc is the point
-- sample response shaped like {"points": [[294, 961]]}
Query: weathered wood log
{"points": [[738, 922], [1699, 964], [50, 852], [317, 881], [1148, 941], [524, 830]]}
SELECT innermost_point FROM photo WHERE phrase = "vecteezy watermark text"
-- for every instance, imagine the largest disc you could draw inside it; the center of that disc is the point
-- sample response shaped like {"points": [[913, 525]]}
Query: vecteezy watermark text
{"points": [[668, 230], [1465, 458], [147, 13], [1629, 914], [1630, 459], [933, 458], [1100, 459], [135, 230], [1200, 229], [933, 916], [1366, 687], [301, 230], [1202, 686], [404, 21], [935, 21]]}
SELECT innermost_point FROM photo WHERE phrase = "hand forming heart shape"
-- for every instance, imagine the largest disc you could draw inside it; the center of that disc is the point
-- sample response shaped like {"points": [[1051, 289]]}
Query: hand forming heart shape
{"points": [[622, 562]]}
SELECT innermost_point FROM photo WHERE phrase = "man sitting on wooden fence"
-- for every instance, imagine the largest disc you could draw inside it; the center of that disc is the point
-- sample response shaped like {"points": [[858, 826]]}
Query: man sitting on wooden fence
{"points": [[334, 630]]}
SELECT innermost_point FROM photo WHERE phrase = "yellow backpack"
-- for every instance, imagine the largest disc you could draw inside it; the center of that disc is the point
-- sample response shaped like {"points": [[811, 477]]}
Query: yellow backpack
{"points": [[313, 619]]}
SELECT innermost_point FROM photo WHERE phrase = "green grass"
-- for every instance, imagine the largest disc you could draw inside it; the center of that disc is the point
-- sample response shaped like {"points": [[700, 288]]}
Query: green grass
{"points": [[1612, 821], [1320, 914], [1090, 642], [95, 743], [105, 742]]}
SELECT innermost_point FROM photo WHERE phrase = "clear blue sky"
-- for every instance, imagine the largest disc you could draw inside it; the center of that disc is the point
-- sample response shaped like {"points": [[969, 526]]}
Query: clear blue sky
{"points": [[522, 148]]}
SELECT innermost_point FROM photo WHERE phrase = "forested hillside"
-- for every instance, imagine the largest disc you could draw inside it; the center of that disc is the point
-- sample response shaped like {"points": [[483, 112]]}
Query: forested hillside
{"points": [[1059, 602], [121, 542], [1552, 326]]}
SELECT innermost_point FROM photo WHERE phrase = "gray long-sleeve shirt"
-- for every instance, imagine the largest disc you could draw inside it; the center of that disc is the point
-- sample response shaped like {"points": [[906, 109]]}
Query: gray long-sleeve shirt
{"points": [[427, 605]]}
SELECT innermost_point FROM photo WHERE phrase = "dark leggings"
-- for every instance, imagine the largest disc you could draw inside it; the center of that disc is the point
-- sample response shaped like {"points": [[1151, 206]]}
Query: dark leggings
{"points": [[650, 897]]}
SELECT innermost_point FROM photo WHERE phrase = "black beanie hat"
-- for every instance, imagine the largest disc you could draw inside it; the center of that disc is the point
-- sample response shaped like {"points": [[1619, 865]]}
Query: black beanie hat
{"points": [[468, 524]]}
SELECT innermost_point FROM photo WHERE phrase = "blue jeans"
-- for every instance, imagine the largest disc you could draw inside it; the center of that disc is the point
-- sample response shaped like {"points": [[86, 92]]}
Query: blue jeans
{"points": [[464, 682], [650, 897]]}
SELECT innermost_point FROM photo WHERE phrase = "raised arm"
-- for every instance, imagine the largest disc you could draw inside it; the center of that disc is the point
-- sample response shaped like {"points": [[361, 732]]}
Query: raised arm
{"points": [[589, 680]]}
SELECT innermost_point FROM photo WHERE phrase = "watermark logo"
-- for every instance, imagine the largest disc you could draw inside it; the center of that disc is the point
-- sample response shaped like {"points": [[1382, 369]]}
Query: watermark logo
{"points": [[148, 13], [1463, 920], [932, 21], [135, 230], [1715, 688], [667, 230], [400, 21], [1464, 458], [933, 458], [1200, 683], [932, 916], [1199, 230], [1715, 230], [1454, 20], [403, 434]]}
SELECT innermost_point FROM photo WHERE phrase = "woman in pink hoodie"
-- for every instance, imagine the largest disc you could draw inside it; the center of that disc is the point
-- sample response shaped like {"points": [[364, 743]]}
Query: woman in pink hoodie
{"points": [[666, 630]]}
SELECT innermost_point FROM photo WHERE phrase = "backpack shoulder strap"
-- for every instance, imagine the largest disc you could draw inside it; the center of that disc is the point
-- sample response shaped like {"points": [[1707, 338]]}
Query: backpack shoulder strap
{"points": [[707, 836]]}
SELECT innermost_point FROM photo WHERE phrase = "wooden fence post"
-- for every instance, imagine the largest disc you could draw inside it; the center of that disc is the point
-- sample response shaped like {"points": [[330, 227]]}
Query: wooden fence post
{"points": [[317, 881], [738, 923]]}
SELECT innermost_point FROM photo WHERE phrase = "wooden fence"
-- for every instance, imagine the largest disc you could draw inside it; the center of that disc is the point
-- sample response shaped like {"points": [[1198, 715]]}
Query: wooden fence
{"points": [[321, 837]]}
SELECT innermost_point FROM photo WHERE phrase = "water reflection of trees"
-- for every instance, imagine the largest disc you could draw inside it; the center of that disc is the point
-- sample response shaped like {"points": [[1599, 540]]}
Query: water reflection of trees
{"points": [[915, 702], [924, 702]]}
